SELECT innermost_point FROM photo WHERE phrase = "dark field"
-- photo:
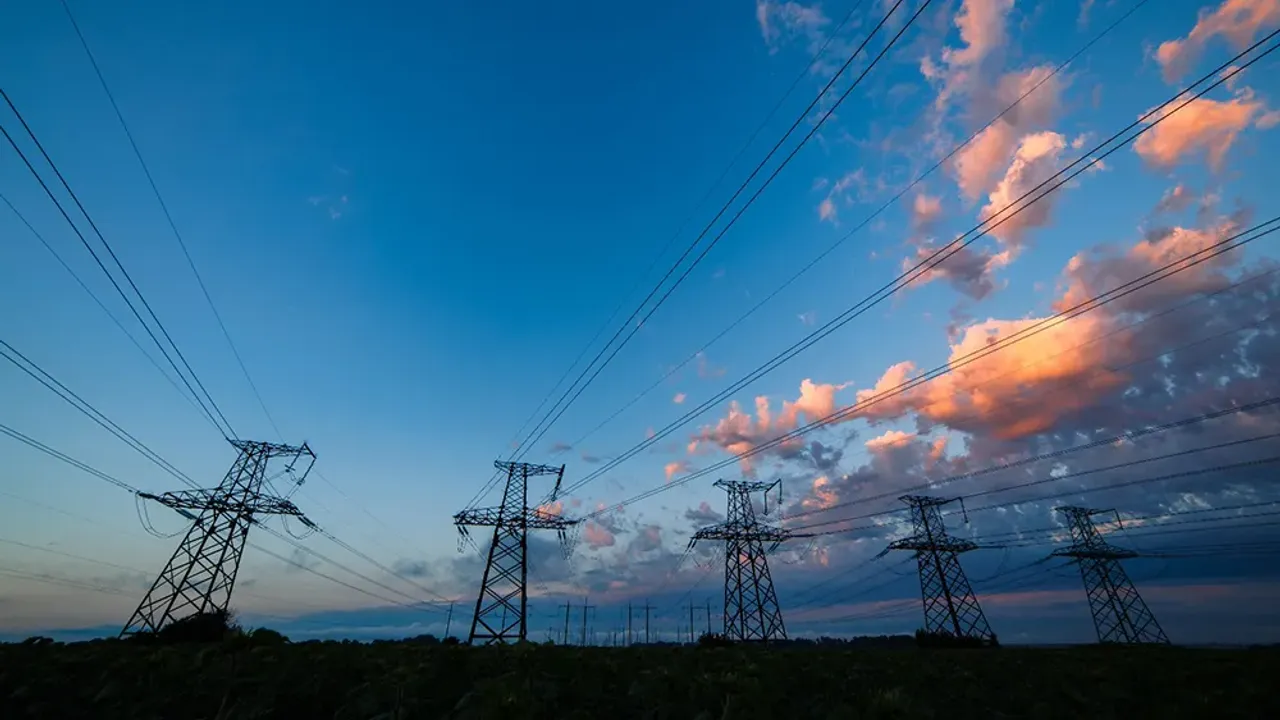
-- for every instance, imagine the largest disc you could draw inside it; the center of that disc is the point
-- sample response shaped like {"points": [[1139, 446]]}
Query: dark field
{"points": [[408, 680]]}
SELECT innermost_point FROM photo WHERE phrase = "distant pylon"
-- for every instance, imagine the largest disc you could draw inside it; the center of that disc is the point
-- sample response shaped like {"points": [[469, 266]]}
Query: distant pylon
{"points": [[202, 572], [1119, 614], [500, 606], [950, 607], [751, 611]]}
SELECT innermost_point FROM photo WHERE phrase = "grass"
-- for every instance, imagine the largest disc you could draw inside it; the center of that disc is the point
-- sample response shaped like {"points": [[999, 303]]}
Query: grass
{"points": [[413, 680]]}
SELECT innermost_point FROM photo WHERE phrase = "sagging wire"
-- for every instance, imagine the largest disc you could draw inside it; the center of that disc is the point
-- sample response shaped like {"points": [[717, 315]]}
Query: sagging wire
{"points": [[144, 518]]}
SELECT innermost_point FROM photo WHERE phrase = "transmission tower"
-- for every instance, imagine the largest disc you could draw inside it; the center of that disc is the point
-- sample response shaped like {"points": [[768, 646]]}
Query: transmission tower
{"points": [[498, 617], [202, 572], [950, 607], [1119, 614], [751, 610]]}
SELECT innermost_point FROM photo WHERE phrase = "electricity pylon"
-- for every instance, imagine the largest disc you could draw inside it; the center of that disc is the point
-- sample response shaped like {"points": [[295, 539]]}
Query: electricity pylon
{"points": [[506, 572], [950, 607], [201, 573], [1119, 614], [751, 611]]}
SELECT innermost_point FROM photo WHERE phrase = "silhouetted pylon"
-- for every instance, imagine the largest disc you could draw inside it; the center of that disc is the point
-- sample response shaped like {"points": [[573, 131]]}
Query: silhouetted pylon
{"points": [[202, 572], [751, 611], [950, 607], [500, 606], [1119, 614]]}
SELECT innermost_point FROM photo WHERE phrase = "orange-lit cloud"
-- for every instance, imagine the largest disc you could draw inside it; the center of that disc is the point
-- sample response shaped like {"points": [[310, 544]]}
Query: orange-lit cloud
{"points": [[1202, 126], [555, 509], [890, 439], [1236, 20], [739, 432], [821, 496], [1090, 274], [1035, 161], [596, 535], [677, 466], [678, 399], [1037, 93], [982, 31]]}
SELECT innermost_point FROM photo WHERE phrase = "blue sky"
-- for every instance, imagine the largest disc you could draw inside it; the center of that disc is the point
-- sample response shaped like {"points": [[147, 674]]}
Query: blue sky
{"points": [[412, 220]]}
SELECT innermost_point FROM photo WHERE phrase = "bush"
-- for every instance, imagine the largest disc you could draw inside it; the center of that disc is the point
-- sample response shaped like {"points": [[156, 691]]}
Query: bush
{"points": [[38, 641], [451, 640], [210, 627], [925, 639], [267, 636], [714, 640]]}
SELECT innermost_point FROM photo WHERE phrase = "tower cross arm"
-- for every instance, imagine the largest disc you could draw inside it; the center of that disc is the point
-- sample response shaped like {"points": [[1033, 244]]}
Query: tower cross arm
{"points": [[534, 519], [739, 531], [220, 501], [939, 544]]}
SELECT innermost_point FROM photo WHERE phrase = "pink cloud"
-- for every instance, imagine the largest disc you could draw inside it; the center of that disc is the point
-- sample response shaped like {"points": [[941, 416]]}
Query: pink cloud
{"points": [[925, 210], [676, 466], [596, 535], [978, 165], [678, 399], [890, 439], [1203, 125], [1035, 161], [1239, 21], [739, 432]]}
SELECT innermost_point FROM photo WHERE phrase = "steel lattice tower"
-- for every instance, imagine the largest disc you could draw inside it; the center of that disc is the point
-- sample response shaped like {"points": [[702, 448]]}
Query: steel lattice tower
{"points": [[202, 571], [498, 618], [751, 611], [1119, 614], [950, 607]]}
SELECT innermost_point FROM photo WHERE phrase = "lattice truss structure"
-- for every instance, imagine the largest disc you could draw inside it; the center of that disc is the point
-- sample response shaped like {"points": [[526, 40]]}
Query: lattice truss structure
{"points": [[1119, 613], [950, 607], [500, 607], [751, 612], [201, 574]]}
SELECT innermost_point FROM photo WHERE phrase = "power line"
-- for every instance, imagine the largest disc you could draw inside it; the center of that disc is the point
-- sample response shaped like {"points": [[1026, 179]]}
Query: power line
{"points": [[1127, 436], [864, 223], [155, 190], [1019, 336], [1089, 159], [225, 428], [41, 376], [98, 301], [667, 246], [36, 444], [551, 418], [1071, 476]]}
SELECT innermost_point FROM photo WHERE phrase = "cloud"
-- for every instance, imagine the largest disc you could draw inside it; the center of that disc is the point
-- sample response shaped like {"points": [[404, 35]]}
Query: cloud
{"points": [[739, 432], [411, 568], [706, 369], [1203, 125], [982, 26], [597, 536], [678, 399], [1035, 161], [704, 514], [676, 466], [1176, 199], [890, 439], [1239, 21], [978, 165], [780, 20], [560, 447], [808, 318], [925, 210]]}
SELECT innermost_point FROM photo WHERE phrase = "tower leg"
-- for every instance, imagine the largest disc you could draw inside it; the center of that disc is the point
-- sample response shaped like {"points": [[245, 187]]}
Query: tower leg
{"points": [[199, 576]]}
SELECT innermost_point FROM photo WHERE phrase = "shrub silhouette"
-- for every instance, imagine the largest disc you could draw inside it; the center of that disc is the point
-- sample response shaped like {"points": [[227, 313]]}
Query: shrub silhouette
{"points": [[926, 639], [714, 640], [209, 627]]}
